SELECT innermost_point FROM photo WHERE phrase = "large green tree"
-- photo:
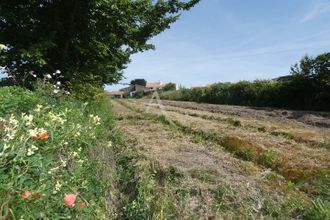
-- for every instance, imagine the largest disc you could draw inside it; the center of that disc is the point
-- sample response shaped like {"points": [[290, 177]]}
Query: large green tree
{"points": [[86, 39]]}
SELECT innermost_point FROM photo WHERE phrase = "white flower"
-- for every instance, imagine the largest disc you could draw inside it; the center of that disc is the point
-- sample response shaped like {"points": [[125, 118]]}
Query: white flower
{"points": [[67, 92], [34, 148], [56, 91], [10, 136], [63, 163], [48, 76], [30, 152], [58, 72], [34, 75], [38, 108], [58, 83], [58, 186], [28, 119]]}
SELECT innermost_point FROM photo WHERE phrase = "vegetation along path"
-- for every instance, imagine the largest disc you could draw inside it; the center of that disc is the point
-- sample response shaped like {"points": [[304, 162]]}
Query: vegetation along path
{"points": [[209, 164]]}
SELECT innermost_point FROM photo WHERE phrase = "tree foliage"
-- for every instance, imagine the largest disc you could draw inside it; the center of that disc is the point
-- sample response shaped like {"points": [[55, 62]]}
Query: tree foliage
{"points": [[169, 87], [85, 39], [141, 82]]}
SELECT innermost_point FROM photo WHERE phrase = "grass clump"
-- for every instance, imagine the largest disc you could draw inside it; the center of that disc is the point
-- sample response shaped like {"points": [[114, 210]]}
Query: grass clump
{"points": [[233, 122]]}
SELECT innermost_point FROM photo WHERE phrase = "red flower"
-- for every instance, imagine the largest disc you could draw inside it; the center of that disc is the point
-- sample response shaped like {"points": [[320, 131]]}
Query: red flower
{"points": [[82, 204], [26, 194], [70, 199], [41, 136]]}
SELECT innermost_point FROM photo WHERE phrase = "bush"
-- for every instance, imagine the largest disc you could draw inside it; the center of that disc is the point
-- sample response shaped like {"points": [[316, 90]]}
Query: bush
{"points": [[15, 99]]}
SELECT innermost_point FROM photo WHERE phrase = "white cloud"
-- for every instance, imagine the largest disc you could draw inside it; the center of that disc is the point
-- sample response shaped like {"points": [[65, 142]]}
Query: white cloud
{"points": [[318, 10]]}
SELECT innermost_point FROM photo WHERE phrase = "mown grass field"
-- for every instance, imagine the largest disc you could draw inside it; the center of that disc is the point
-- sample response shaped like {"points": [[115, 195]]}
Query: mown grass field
{"points": [[224, 162]]}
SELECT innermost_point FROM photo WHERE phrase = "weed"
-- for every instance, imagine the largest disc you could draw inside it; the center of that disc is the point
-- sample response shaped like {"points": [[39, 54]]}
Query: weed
{"points": [[269, 159], [233, 122]]}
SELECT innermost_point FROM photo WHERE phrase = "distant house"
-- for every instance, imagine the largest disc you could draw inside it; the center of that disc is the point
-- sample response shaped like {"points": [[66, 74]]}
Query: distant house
{"points": [[116, 94], [133, 89], [155, 85]]}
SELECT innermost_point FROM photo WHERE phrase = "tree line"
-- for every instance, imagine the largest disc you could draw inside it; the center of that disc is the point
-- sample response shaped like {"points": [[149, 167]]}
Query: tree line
{"points": [[306, 88]]}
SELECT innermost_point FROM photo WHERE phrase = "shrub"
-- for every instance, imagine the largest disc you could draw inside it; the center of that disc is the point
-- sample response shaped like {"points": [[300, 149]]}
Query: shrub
{"points": [[15, 99]]}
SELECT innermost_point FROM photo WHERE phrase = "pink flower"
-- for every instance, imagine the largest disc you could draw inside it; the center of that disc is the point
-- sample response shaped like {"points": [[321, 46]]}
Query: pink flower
{"points": [[70, 199]]}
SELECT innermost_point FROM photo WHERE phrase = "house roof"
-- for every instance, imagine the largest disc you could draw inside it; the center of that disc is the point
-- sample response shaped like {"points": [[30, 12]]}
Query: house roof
{"points": [[154, 85]]}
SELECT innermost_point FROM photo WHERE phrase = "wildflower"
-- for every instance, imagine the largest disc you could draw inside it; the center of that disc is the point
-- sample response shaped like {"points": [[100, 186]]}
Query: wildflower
{"points": [[64, 162], [28, 119], [58, 71], [38, 108], [67, 92], [13, 121], [70, 199], [48, 76], [26, 194], [58, 186], [58, 83], [10, 136], [77, 134], [82, 204], [30, 152], [34, 148], [56, 118], [41, 136], [75, 154], [56, 91]]}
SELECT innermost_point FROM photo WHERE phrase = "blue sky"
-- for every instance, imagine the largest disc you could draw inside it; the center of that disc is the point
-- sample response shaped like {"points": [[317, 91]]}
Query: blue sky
{"points": [[233, 40]]}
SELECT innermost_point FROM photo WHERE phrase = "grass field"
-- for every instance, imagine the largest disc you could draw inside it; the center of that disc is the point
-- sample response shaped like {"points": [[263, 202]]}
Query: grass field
{"points": [[222, 162]]}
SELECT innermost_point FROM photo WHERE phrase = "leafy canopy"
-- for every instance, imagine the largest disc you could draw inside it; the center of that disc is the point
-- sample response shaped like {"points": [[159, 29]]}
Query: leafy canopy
{"points": [[141, 82], [88, 40]]}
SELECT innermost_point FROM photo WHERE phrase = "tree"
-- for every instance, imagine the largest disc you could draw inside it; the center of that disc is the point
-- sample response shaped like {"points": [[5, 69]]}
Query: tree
{"points": [[169, 87], [141, 82], [88, 40]]}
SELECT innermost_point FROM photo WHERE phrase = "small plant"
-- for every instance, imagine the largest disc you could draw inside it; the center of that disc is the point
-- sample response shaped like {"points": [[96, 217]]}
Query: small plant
{"points": [[234, 122], [269, 159], [219, 197]]}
